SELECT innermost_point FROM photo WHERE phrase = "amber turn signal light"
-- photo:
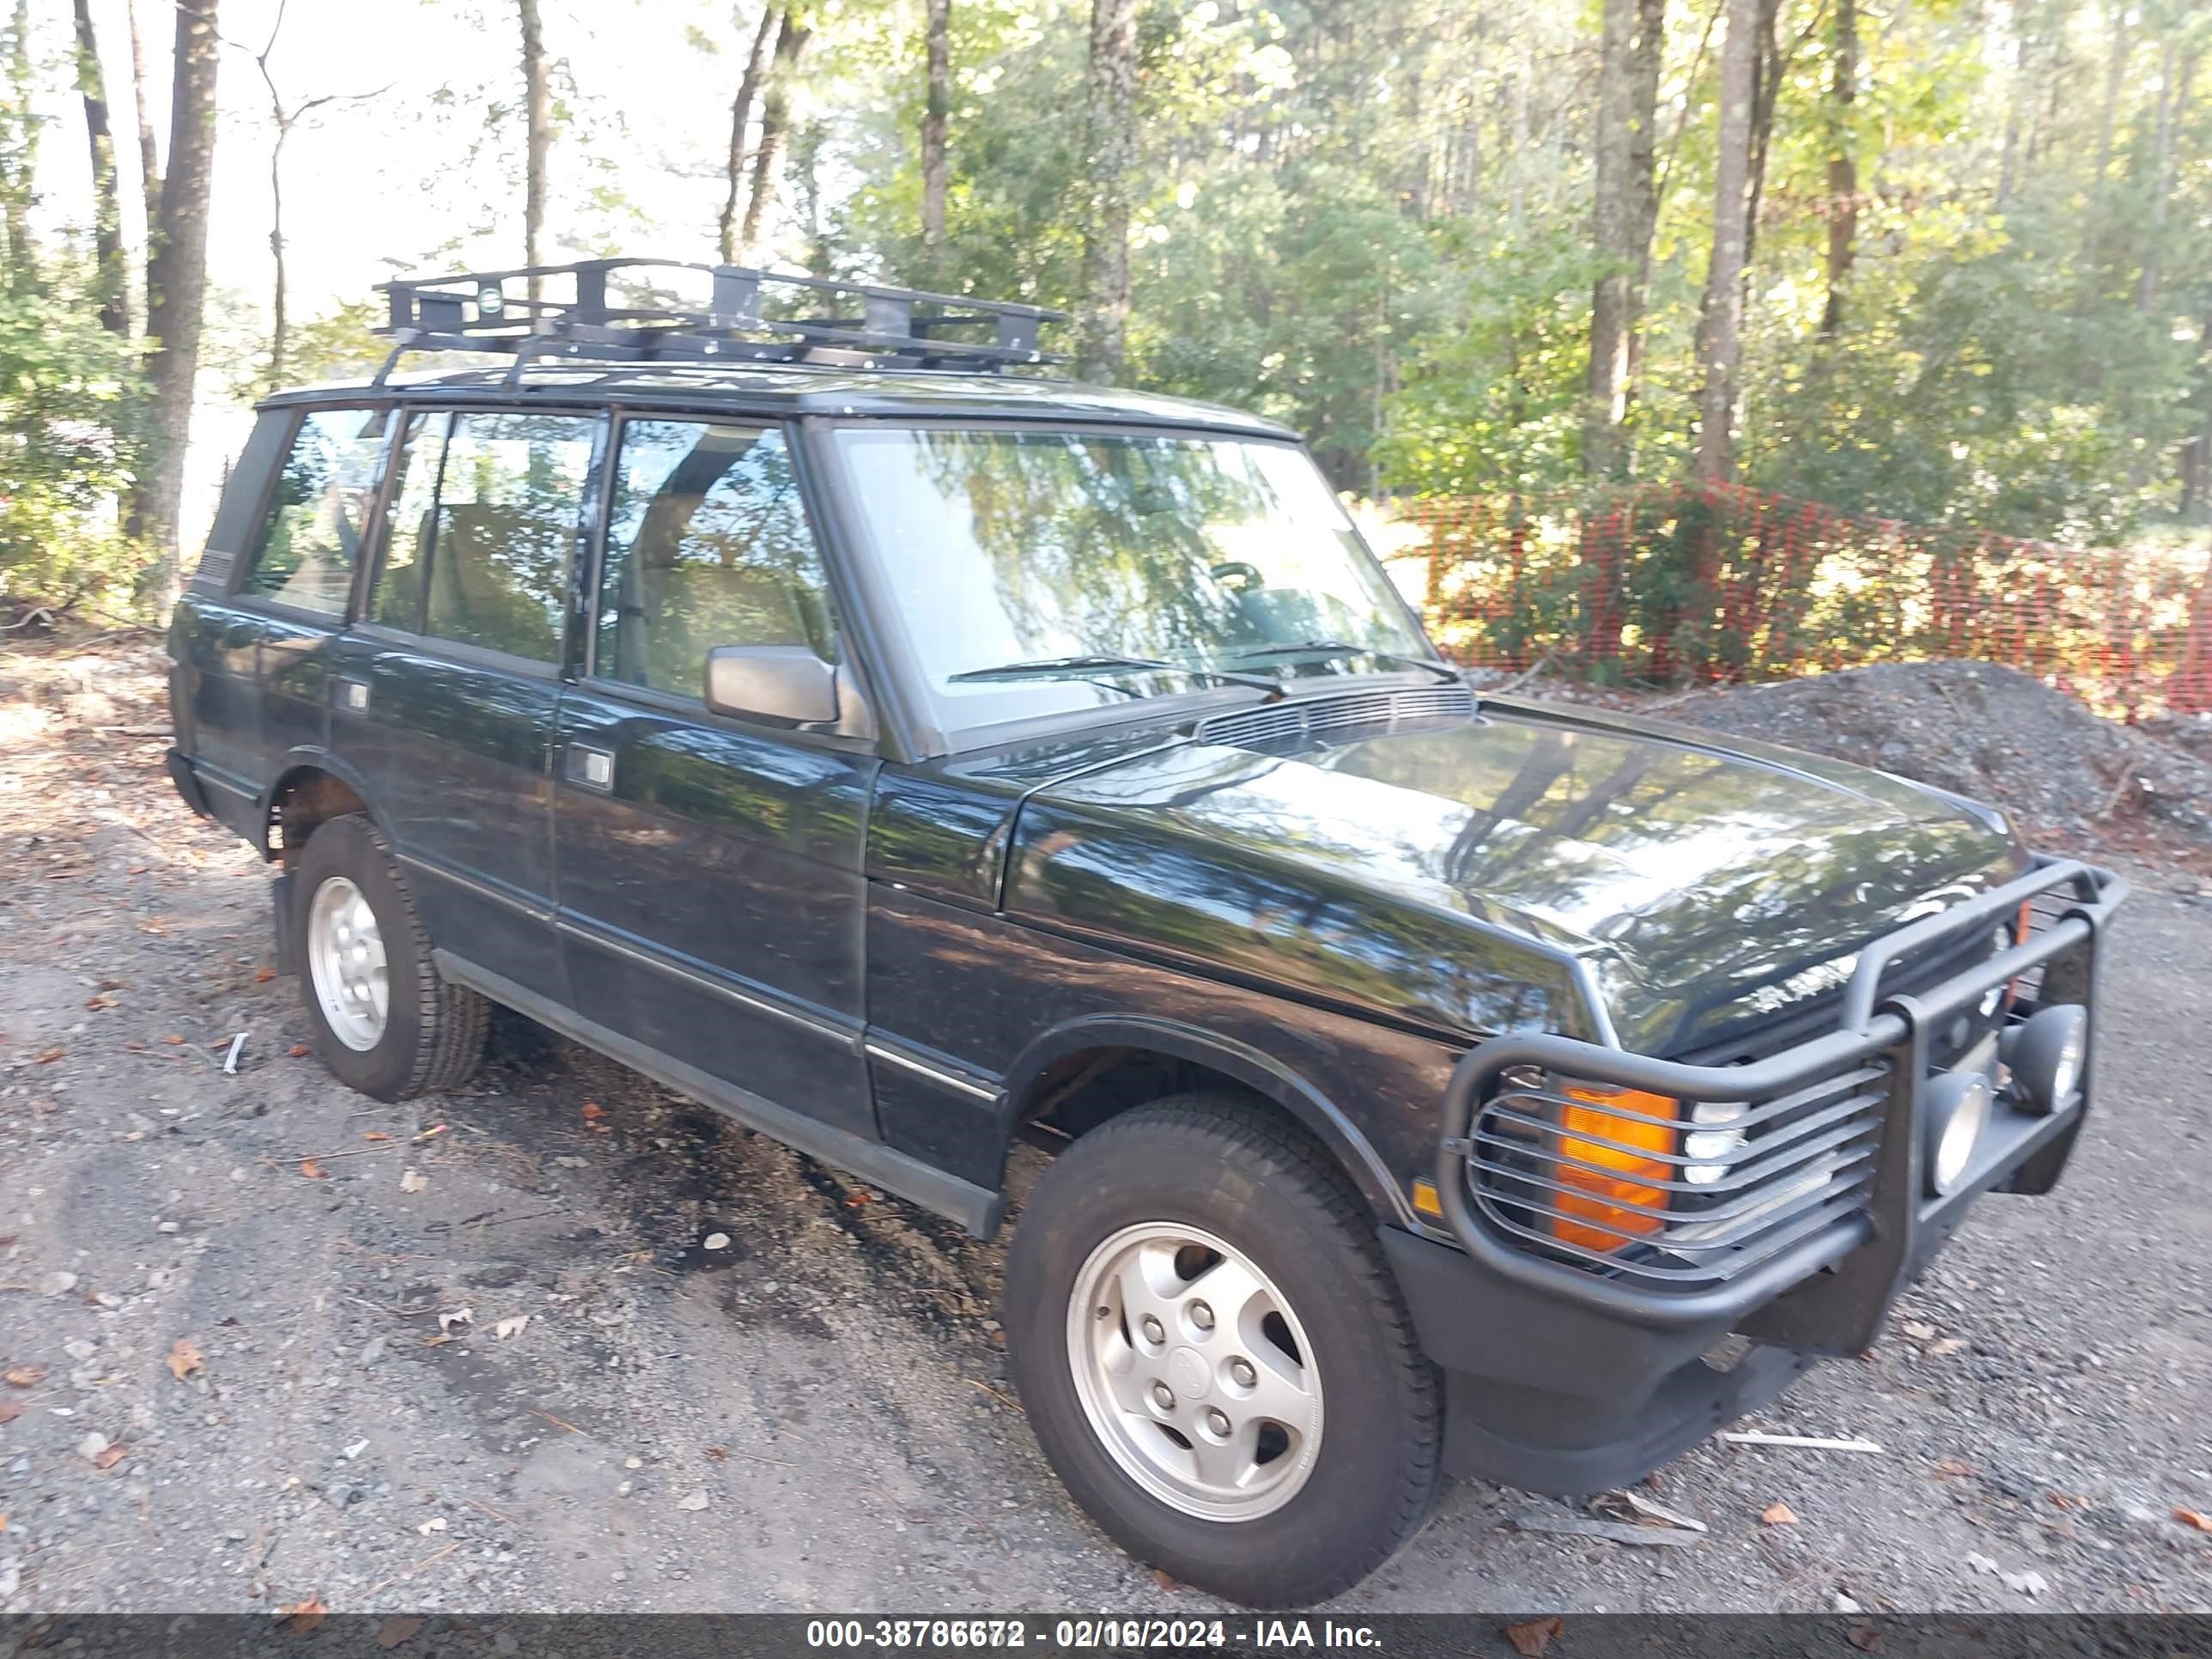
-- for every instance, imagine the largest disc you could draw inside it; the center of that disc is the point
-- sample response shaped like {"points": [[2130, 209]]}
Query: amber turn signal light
{"points": [[1627, 1123]]}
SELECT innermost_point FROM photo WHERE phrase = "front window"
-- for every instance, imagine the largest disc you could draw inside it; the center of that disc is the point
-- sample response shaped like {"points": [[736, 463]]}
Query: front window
{"points": [[1018, 562]]}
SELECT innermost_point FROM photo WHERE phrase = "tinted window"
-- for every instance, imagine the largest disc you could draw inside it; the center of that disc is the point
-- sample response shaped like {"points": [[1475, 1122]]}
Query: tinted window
{"points": [[482, 525], [707, 545], [310, 540]]}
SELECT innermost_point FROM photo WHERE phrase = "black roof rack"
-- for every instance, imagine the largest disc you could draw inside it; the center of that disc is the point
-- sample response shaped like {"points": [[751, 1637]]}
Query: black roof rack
{"points": [[632, 311]]}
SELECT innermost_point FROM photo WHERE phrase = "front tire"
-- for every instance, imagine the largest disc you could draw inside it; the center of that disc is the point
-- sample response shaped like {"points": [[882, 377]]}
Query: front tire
{"points": [[1214, 1356], [386, 1023]]}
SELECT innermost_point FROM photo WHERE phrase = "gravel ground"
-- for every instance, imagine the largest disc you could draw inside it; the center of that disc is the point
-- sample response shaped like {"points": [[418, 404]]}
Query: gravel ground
{"points": [[237, 1381]]}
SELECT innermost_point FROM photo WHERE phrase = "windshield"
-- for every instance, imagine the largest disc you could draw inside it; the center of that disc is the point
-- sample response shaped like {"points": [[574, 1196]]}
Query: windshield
{"points": [[1036, 572]]}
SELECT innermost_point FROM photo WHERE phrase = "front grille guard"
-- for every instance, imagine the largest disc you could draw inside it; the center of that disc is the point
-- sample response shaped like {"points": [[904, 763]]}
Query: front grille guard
{"points": [[1851, 1094]]}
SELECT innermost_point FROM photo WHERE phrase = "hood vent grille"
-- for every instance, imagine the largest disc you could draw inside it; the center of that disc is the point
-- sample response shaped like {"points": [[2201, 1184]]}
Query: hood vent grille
{"points": [[1293, 725]]}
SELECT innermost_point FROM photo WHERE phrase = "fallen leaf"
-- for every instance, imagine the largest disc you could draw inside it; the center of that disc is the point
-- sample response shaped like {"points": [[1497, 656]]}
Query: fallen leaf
{"points": [[1918, 1331], [1533, 1637], [184, 1359], [10, 1410], [1863, 1636], [264, 974], [376, 1134], [300, 1051], [399, 1628], [593, 1111], [718, 1453], [855, 1200], [512, 1327], [173, 1041], [51, 1056], [2065, 1500], [1166, 1580], [409, 1181], [110, 1455], [1778, 1515], [312, 1170], [100, 1002], [305, 1615], [24, 1376], [1951, 1466], [458, 1316], [1947, 1346], [435, 1523], [2193, 1518], [3, 1520]]}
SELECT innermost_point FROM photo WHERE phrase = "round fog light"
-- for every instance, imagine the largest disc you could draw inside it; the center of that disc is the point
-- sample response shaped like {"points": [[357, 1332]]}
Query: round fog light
{"points": [[2045, 1057], [1955, 1108]]}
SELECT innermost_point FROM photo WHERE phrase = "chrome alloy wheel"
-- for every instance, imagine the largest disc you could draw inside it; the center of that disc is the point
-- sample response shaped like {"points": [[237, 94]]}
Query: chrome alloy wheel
{"points": [[345, 959], [1194, 1372]]}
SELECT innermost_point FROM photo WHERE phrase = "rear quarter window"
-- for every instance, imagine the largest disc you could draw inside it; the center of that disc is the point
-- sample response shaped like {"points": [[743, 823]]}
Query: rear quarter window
{"points": [[310, 539]]}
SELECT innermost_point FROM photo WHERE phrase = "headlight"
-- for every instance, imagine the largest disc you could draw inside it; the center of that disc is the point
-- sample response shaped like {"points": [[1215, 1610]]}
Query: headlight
{"points": [[2045, 1055], [1718, 1145], [1955, 1107], [1609, 1133]]}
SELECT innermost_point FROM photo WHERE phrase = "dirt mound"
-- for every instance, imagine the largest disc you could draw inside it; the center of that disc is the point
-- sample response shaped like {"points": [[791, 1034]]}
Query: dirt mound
{"points": [[1990, 732]]}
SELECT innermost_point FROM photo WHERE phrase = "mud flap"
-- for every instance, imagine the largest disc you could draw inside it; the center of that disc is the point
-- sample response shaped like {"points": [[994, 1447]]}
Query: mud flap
{"points": [[280, 893]]}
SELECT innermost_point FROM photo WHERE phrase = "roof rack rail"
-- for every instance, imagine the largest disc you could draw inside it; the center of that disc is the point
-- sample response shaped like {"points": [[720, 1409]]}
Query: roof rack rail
{"points": [[895, 328]]}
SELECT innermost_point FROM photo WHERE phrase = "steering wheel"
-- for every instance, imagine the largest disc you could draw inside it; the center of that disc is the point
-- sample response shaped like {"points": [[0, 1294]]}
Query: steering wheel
{"points": [[1237, 576]]}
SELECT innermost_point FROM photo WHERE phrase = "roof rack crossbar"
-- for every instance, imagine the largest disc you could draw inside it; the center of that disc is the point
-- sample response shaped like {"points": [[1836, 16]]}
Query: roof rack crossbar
{"points": [[473, 311]]}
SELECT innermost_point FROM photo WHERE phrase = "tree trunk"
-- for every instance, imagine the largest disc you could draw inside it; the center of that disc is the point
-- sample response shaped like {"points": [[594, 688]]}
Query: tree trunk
{"points": [[538, 104], [277, 324], [1720, 324], [177, 290], [150, 157], [791, 40], [1843, 166], [1109, 121], [741, 116], [2173, 116], [935, 111], [2019, 103], [1643, 169], [1613, 231], [113, 283], [21, 165]]}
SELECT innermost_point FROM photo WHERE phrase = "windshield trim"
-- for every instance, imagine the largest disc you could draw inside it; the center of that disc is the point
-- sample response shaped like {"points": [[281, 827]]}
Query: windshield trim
{"points": [[929, 739]]}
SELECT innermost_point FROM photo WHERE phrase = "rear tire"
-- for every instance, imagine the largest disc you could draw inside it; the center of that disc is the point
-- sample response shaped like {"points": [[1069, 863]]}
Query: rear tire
{"points": [[1138, 1217], [352, 908]]}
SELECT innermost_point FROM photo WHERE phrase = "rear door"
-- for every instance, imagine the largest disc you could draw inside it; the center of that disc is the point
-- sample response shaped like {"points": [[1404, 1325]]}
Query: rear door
{"points": [[444, 697], [711, 895], [252, 637]]}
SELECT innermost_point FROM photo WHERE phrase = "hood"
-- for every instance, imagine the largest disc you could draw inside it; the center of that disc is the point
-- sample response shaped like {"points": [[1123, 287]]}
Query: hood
{"points": [[1504, 872]]}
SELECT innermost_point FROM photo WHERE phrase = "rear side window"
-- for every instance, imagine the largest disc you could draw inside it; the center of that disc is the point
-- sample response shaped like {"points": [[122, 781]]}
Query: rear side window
{"points": [[310, 542], [706, 544], [483, 523]]}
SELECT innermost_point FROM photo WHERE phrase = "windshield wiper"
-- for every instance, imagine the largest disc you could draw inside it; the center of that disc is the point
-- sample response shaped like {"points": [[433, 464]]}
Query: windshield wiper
{"points": [[1045, 667], [1347, 648]]}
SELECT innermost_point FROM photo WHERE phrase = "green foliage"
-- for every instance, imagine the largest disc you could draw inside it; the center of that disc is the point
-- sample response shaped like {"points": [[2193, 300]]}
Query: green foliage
{"points": [[70, 403]]}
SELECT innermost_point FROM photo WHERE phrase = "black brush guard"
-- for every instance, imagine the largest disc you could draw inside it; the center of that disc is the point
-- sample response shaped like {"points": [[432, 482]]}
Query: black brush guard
{"points": [[1829, 1291]]}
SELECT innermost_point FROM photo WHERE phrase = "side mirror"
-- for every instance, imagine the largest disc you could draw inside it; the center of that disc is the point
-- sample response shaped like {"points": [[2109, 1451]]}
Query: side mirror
{"points": [[785, 683]]}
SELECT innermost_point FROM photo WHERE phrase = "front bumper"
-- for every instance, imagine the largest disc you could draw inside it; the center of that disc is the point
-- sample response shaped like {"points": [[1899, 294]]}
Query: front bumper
{"points": [[1566, 1376]]}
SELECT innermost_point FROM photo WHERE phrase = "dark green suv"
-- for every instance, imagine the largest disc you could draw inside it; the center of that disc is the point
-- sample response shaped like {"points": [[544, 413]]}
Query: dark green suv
{"points": [[908, 752]]}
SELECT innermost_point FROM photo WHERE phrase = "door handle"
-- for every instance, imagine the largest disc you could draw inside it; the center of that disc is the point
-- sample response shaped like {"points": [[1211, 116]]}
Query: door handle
{"points": [[592, 767], [351, 695]]}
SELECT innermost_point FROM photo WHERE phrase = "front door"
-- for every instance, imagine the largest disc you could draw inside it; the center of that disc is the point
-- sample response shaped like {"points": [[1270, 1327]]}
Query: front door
{"points": [[711, 898], [445, 697]]}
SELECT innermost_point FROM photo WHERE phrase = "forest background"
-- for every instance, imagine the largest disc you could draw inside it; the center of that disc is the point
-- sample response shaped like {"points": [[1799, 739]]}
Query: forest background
{"points": [[1941, 261]]}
